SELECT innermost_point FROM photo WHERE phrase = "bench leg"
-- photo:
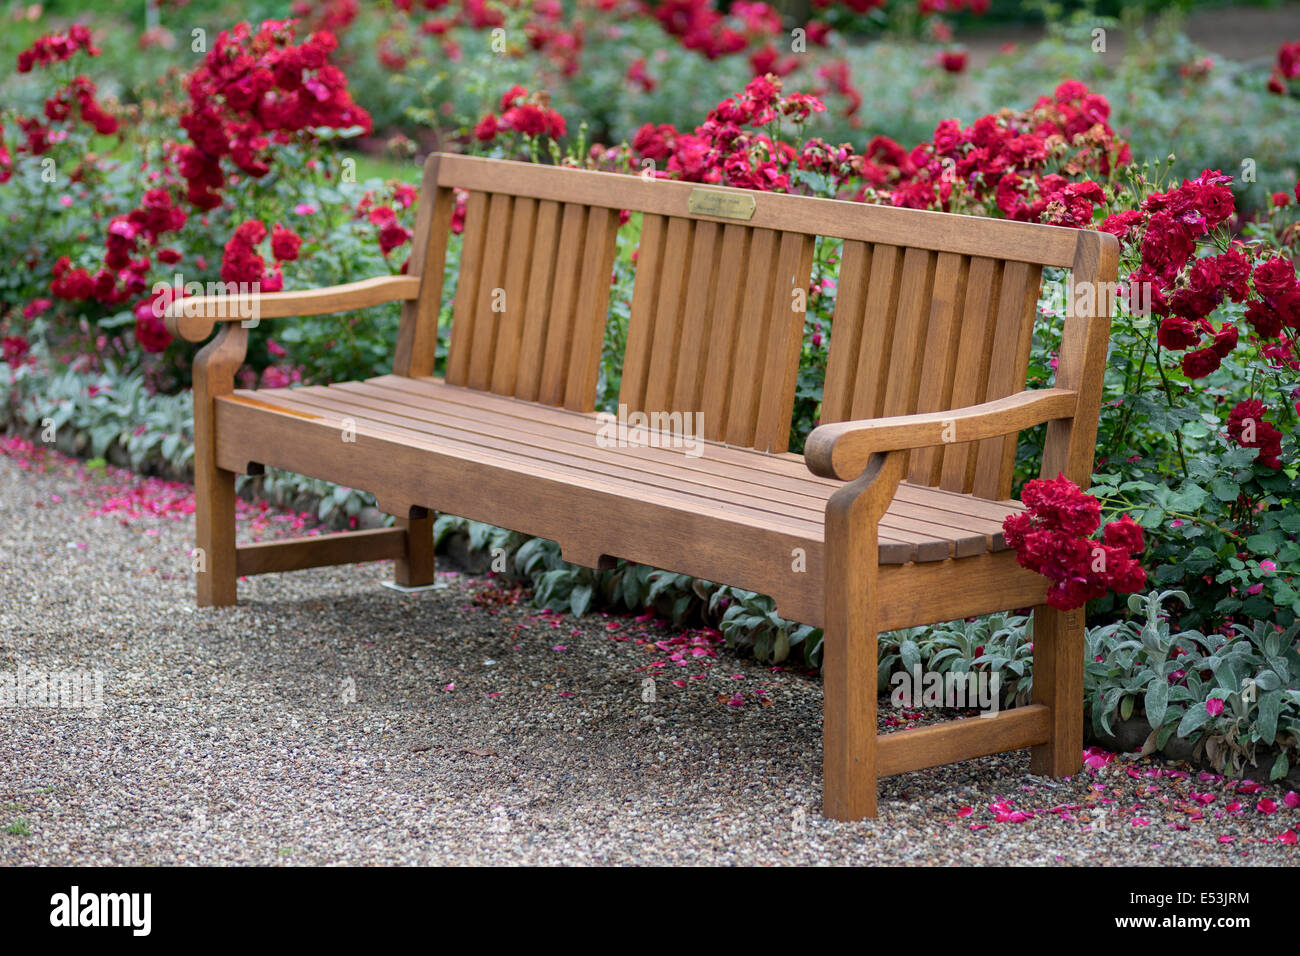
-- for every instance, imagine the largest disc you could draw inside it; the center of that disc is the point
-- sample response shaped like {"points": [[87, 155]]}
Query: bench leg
{"points": [[1058, 683], [214, 523], [416, 569], [849, 708], [215, 562], [851, 558]]}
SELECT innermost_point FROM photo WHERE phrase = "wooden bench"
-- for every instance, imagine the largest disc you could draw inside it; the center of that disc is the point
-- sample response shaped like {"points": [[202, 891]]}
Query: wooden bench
{"points": [[891, 519]]}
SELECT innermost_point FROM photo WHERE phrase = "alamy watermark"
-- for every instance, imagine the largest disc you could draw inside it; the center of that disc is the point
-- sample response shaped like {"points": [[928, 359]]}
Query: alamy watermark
{"points": [[1092, 298], [233, 300], [958, 689], [71, 690], [651, 430]]}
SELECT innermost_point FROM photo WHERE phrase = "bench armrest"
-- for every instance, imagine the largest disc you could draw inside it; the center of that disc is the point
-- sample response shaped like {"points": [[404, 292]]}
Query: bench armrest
{"points": [[195, 317], [842, 449]]}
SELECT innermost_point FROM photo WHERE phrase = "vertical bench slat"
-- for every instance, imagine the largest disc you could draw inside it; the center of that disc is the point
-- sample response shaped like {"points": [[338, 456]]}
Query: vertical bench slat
{"points": [[1016, 304], [537, 304], [911, 317], [564, 300], [471, 265], [846, 331], [784, 336], [902, 376], [750, 342], [417, 337], [591, 309], [701, 289], [718, 370], [669, 315], [947, 305], [510, 330], [975, 350], [494, 266], [640, 326], [877, 332]]}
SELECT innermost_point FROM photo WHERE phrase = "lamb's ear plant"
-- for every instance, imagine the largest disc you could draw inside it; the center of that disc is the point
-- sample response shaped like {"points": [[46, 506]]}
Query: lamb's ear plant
{"points": [[1130, 662], [1236, 697], [750, 622]]}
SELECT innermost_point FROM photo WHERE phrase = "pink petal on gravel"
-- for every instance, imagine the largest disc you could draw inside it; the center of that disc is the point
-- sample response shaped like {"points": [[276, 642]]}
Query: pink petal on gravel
{"points": [[1288, 837], [1292, 800], [1224, 838], [965, 812], [1266, 805]]}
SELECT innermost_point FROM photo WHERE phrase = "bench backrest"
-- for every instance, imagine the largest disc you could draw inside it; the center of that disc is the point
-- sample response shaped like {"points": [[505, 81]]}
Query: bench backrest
{"points": [[933, 311]]}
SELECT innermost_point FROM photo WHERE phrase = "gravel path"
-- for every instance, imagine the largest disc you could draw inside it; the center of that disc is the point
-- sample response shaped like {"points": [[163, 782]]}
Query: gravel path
{"points": [[329, 720]]}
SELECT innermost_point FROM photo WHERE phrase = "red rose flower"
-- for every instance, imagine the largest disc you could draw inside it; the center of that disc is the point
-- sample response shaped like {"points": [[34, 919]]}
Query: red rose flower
{"points": [[953, 61], [150, 331], [1201, 363], [1275, 276], [284, 243], [1249, 429], [486, 129], [13, 349], [1264, 320], [1177, 333], [1225, 340]]}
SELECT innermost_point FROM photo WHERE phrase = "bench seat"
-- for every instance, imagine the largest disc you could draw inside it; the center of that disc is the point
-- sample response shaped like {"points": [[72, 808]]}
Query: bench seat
{"points": [[723, 493]]}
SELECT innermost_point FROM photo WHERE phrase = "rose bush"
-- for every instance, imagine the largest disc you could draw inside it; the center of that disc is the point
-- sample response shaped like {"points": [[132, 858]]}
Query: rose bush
{"points": [[239, 175]]}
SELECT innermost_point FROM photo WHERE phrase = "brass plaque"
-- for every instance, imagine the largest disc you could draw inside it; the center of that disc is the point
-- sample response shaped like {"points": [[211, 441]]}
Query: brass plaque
{"points": [[710, 202]]}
